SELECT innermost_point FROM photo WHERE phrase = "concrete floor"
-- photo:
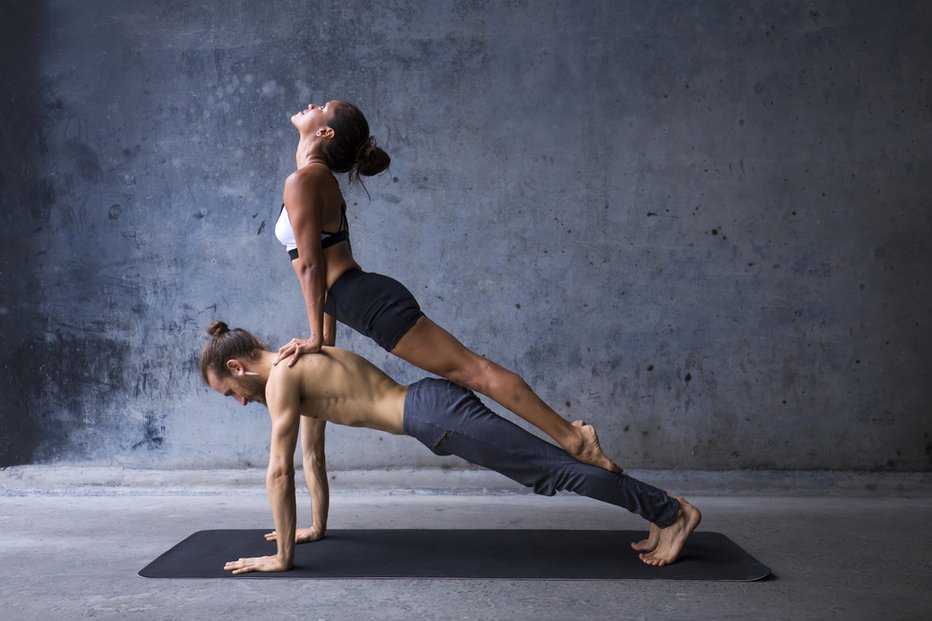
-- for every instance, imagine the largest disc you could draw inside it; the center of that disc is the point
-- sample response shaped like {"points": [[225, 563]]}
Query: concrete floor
{"points": [[71, 543]]}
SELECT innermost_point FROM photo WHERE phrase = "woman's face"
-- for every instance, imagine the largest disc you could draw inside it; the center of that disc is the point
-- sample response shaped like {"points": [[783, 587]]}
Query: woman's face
{"points": [[314, 117]]}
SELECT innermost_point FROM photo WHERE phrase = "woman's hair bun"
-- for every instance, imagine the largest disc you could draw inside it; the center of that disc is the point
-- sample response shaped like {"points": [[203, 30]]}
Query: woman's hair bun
{"points": [[217, 328], [371, 159]]}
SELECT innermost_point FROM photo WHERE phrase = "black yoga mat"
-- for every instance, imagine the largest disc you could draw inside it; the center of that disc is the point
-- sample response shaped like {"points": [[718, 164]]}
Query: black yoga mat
{"points": [[459, 554]]}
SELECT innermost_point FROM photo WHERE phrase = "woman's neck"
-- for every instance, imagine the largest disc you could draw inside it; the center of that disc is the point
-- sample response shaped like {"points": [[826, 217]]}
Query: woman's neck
{"points": [[307, 151]]}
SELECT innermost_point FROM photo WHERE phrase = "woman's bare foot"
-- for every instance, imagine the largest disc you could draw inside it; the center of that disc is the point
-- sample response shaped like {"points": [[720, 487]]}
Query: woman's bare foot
{"points": [[649, 544], [672, 538], [586, 448]]}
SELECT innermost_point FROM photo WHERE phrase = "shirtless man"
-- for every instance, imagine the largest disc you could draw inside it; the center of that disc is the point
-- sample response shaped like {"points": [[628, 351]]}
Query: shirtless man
{"points": [[338, 386]]}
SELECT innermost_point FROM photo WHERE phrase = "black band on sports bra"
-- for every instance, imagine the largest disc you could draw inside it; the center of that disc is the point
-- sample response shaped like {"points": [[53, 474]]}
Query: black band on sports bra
{"points": [[334, 238]]}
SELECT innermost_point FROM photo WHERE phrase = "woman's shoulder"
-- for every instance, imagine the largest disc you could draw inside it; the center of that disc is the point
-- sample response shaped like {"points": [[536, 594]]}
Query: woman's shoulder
{"points": [[315, 172], [310, 181]]}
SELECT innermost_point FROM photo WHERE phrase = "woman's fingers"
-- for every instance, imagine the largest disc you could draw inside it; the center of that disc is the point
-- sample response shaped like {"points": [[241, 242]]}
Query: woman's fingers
{"points": [[286, 350]]}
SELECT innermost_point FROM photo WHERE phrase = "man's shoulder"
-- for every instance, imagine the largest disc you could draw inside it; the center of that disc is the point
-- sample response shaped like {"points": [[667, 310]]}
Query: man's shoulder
{"points": [[284, 385], [287, 380]]}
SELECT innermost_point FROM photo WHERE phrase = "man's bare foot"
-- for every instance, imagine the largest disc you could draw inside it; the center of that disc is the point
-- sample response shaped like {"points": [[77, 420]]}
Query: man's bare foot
{"points": [[587, 448], [649, 544], [672, 538]]}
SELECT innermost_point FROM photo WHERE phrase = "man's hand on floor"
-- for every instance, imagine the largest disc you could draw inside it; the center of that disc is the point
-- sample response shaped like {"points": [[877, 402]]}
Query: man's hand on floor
{"points": [[259, 563], [301, 535]]}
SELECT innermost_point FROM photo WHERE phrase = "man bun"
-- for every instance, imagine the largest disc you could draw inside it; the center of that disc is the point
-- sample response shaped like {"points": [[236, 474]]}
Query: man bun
{"points": [[225, 344], [217, 328]]}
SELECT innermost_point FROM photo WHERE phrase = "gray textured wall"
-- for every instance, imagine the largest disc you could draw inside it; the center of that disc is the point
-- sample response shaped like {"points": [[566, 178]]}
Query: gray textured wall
{"points": [[703, 226]]}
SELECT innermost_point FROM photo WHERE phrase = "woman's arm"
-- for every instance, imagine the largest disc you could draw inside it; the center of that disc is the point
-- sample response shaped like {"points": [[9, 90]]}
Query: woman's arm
{"points": [[330, 330], [304, 202]]}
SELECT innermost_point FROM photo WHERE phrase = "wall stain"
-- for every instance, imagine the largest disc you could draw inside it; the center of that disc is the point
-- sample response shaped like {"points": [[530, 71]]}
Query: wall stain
{"points": [[78, 376], [153, 432], [83, 159]]}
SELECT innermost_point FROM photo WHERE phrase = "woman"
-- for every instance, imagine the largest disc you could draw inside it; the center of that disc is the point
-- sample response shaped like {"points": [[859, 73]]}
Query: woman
{"points": [[313, 227]]}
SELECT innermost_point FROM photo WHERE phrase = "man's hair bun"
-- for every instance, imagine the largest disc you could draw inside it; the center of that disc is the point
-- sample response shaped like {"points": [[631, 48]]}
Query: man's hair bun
{"points": [[217, 328]]}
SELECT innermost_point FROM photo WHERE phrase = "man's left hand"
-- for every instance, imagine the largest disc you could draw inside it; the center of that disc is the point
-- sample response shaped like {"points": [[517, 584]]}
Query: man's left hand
{"points": [[301, 535], [259, 563]]}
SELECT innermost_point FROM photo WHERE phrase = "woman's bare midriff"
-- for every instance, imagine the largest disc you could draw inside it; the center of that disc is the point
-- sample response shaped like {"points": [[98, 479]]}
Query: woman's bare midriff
{"points": [[338, 259]]}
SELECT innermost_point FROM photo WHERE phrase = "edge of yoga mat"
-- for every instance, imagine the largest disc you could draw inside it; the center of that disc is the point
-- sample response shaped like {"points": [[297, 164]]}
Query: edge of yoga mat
{"points": [[461, 554]]}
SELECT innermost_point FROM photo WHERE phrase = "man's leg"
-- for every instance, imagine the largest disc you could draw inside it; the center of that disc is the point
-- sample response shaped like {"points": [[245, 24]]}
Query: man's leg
{"points": [[670, 540], [451, 420]]}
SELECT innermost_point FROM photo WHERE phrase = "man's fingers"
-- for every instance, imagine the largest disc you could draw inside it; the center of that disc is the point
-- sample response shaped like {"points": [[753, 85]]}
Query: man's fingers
{"points": [[241, 566]]}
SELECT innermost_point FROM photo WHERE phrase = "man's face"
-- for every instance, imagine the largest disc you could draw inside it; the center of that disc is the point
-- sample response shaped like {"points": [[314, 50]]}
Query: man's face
{"points": [[243, 388]]}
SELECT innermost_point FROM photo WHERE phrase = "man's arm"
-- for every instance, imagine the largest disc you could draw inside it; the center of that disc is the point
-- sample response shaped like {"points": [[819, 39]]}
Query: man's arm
{"points": [[279, 481], [280, 486], [315, 460], [315, 475]]}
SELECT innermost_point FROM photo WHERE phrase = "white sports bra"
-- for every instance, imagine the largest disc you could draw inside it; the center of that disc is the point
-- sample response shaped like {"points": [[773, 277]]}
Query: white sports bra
{"points": [[285, 233]]}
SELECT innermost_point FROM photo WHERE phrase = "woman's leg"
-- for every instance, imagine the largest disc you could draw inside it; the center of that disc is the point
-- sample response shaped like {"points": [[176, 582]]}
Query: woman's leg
{"points": [[430, 347]]}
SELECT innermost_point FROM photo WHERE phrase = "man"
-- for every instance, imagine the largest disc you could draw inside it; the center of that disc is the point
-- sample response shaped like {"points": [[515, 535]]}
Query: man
{"points": [[340, 387]]}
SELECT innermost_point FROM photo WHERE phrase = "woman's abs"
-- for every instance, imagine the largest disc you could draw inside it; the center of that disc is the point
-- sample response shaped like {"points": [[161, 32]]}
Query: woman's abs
{"points": [[338, 260]]}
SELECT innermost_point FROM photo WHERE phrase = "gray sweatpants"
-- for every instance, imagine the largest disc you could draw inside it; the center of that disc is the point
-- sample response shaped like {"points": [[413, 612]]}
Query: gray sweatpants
{"points": [[451, 420]]}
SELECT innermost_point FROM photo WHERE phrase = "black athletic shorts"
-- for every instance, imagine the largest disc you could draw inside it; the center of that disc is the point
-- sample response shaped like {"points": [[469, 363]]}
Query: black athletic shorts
{"points": [[374, 305]]}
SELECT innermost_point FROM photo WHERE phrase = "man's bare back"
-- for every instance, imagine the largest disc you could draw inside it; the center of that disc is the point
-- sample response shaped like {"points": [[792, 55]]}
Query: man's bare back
{"points": [[340, 387]]}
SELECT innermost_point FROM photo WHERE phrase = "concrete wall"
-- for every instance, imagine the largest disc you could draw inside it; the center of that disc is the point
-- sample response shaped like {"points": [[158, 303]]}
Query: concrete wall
{"points": [[702, 226]]}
